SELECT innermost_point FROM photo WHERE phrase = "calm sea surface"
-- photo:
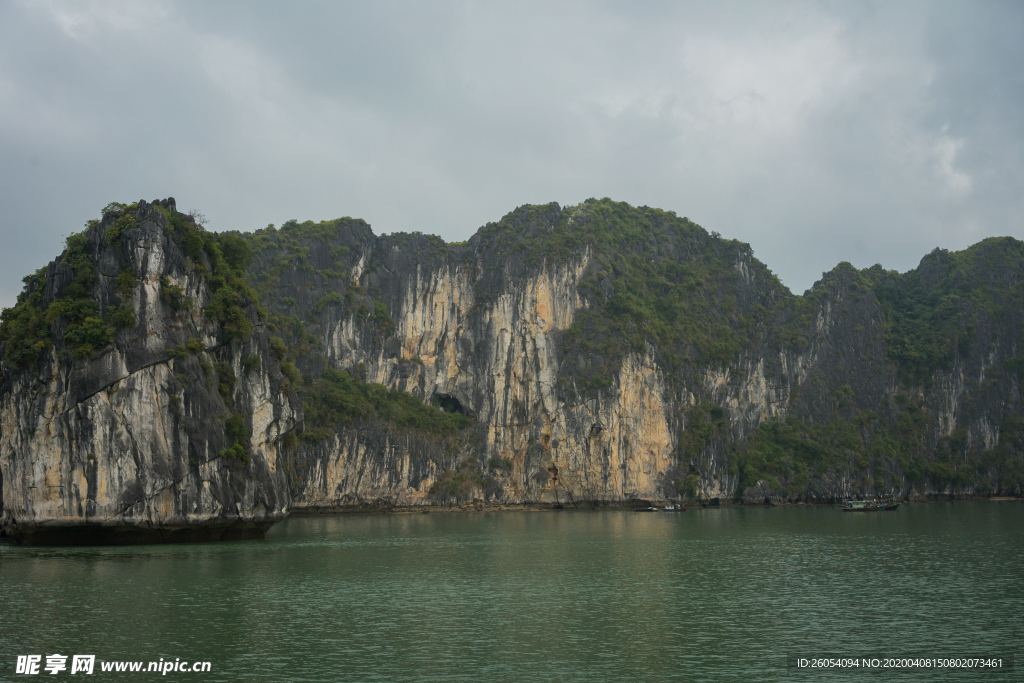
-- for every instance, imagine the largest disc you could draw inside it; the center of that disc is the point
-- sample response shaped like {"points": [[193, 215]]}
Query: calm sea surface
{"points": [[706, 595]]}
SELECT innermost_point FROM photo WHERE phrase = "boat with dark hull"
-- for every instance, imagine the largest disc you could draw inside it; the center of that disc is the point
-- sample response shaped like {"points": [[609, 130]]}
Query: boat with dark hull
{"points": [[869, 505]]}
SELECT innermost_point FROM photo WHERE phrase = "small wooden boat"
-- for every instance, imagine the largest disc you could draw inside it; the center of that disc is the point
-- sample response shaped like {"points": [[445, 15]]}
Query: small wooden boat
{"points": [[860, 506], [673, 508], [868, 505]]}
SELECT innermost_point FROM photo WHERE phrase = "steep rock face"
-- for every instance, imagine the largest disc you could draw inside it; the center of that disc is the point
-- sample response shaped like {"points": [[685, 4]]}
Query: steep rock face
{"points": [[495, 359], [122, 445], [485, 330], [591, 354]]}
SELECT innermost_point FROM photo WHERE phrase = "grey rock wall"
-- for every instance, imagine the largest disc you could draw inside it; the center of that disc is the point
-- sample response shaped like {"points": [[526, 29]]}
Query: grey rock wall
{"points": [[488, 333], [123, 446]]}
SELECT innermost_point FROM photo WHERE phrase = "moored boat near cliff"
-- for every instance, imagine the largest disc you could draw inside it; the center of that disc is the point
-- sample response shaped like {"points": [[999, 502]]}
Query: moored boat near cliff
{"points": [[868, 505]]}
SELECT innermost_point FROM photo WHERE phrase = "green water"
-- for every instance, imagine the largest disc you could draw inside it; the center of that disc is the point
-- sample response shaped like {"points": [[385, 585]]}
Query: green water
{"points": [[706, 595]]}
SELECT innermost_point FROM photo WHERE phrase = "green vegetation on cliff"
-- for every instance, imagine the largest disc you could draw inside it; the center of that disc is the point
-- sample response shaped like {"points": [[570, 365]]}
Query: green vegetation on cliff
{"points": [[75, 316], [880, 450], [28, 326], [705, 421], [932, 311], [310, 252], [281, 249], [339, 399], [456, 485], [222, 259], [654, 278], [24, 326]]}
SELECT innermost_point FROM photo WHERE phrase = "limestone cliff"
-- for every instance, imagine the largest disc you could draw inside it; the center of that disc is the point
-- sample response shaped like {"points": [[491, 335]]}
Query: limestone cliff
{"points": [[538, 329], [577, 355], [120, 443]]}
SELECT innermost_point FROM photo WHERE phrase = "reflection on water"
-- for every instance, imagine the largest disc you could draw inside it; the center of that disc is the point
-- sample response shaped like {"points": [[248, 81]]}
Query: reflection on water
{"points": [[715, 594]]}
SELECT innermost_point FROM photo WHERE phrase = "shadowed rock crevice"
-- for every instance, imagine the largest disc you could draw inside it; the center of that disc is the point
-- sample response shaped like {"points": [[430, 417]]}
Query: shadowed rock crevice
{"points": [[450, 404]]}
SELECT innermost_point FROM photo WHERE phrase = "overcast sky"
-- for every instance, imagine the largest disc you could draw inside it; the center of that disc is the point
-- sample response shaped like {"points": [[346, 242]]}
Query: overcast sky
{"points": [[817, 132]]}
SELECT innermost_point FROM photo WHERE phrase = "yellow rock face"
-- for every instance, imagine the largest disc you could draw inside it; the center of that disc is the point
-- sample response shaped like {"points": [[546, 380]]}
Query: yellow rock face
{"points": [[504, 361]]}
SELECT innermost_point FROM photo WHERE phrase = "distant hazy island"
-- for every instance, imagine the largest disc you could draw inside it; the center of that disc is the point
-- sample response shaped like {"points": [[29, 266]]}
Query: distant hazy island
{"points": [[164, 382]]}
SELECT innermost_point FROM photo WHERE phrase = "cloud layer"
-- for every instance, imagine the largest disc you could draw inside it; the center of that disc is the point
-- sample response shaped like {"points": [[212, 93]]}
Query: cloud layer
{"points": [[817, 132]]}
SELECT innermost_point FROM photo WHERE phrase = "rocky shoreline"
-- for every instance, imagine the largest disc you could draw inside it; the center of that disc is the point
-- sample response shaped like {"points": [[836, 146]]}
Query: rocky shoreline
{"points": [[239, 530], [482, 506]]}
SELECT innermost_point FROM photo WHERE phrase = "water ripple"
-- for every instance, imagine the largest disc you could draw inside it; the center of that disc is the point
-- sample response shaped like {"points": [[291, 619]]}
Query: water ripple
{"points": [[706, 596]]}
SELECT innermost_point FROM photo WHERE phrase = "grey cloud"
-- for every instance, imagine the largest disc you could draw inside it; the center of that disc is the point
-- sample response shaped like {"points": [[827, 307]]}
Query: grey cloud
{"points": [[818, 132]]}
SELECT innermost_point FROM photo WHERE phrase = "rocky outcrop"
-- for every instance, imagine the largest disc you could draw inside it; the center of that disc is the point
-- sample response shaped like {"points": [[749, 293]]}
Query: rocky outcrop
{"points": [[581, 386], [123, 446], [487, 331]]}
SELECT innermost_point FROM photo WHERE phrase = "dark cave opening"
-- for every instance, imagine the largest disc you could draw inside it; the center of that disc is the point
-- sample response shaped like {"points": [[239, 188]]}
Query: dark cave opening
{"points": [[449, 404]]}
